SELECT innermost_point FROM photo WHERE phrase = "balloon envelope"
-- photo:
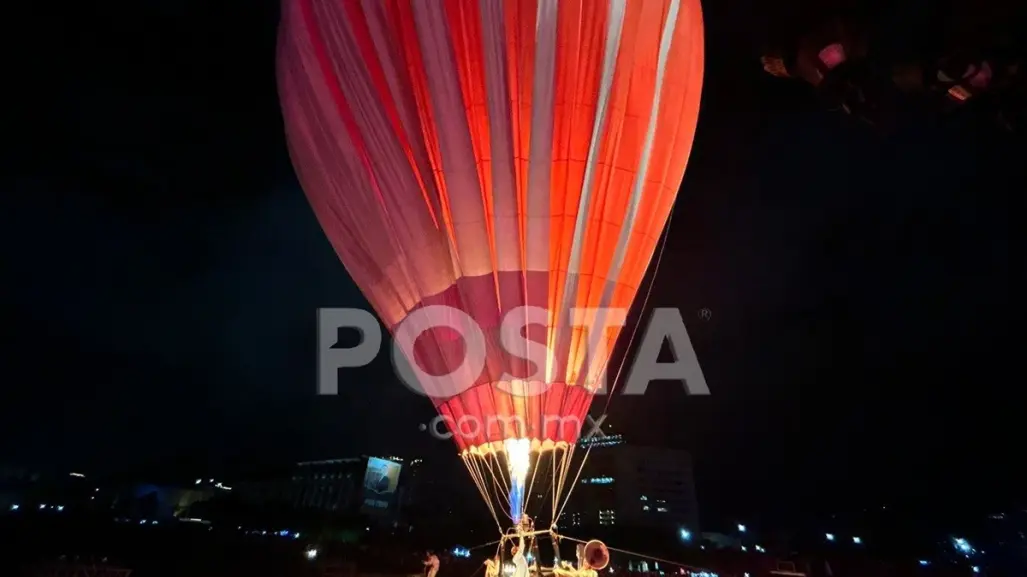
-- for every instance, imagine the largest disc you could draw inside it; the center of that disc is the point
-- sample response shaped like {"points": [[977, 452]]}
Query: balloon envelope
{"points": [[501, 167]]}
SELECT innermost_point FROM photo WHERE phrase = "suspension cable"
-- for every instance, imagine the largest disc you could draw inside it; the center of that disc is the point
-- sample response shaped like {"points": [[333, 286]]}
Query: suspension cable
{"points": [[531, 485], [497, 478], [642, 555], [631, 340], [500, 485], [565, 462], [486, 485], [479, 482]]}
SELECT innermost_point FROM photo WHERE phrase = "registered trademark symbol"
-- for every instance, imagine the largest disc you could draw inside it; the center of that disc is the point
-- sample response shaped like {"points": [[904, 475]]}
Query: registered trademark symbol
{"points": [[705, 314]]}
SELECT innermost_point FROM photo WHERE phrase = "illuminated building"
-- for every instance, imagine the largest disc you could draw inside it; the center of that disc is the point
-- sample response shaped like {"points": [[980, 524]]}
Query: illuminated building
{"points": [[633, 486], [52, 490], [367, 484], [152, 502]]}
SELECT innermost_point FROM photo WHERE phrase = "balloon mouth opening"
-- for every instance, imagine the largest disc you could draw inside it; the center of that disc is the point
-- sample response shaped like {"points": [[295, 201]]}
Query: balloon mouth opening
{"points": [[533, 445], [518, 458]]}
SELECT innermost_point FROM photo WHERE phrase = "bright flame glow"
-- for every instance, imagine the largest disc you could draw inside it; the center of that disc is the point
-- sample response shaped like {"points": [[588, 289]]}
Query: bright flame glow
{"points": [[518, 458]]}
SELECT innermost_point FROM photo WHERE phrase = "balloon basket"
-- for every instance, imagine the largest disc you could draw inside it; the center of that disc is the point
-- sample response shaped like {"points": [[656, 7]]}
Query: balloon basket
{"points": [[531, 539]]}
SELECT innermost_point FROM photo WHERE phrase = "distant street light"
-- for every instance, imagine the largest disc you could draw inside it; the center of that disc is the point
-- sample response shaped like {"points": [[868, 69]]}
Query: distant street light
{"points": [[857, 540], [963, 546], [830, 536], [741, 528]]}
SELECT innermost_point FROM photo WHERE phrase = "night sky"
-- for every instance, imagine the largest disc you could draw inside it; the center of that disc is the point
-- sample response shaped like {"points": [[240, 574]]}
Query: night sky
{"points": [[162, 272]]}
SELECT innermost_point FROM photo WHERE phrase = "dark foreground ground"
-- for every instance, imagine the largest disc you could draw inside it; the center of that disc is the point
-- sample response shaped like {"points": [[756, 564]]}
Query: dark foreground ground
{"points": [[69, 547], [52, 547]]}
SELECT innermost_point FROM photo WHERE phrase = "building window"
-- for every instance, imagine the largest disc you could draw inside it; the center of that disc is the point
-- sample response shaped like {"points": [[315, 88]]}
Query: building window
{"points": [[661, 509], [606, 441], [597, 481]]}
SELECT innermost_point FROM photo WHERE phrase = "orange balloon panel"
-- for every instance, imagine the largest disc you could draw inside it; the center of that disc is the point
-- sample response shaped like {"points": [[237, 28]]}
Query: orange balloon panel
{"points": [[493, 155]]}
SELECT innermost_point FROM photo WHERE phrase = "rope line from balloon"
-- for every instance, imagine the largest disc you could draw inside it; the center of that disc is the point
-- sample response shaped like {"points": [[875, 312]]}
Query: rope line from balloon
{"points": [[570, 490], [483, 488], [561, 501], [531, 485], [642, 555], [553, 495], [500, 485], [556, 479], [499, 545], [549, 483], [563, 479], [479, 482], [645, 303], [560, 481], [488, 480], [559, 478], [553, 479], [500, 488], [504, 490], [624, 357]]}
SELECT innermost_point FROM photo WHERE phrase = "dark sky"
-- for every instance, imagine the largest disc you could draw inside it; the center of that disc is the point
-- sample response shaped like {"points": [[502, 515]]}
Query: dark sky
{"points": [[162, 270]]}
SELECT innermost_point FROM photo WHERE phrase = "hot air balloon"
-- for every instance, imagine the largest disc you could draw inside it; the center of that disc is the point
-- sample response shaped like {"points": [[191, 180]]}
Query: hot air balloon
{"points": [[489, 160]]}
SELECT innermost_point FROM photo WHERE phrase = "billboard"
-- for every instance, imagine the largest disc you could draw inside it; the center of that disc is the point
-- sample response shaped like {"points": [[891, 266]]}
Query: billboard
{"points": [[380, 483]]}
